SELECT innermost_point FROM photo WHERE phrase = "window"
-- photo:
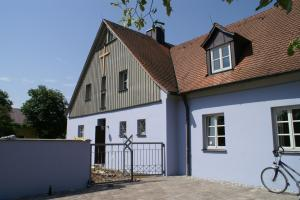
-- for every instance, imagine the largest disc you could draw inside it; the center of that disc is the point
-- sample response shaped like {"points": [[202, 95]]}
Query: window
{"points": [[88, 92], [103, 84], [221, 58], [109, 37], [214, 132], [122, 129], [103, 92], [123, 81], [141, 127], [287, 127], [80, 131]]}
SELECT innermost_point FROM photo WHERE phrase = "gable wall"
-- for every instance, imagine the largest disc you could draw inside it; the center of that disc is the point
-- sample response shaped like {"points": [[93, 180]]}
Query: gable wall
{"points": [[141, 88]]}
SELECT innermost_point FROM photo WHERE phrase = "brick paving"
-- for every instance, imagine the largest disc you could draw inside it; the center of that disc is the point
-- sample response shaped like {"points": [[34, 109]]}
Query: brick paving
{"points": [[173, 188]]}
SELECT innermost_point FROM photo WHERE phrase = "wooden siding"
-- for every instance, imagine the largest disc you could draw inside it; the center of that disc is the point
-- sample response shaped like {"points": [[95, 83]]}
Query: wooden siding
{"points": [[141, 88]]}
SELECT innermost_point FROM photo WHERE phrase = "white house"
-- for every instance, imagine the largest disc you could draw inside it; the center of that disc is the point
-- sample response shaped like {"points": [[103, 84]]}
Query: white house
{"points": [[220, 102]]}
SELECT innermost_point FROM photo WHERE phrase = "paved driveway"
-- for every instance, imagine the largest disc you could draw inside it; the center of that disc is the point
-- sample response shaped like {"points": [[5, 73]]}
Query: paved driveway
{"points": [[174, 188]]}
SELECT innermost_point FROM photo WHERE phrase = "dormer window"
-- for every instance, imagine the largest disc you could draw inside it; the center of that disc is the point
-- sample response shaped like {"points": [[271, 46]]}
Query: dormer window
{"points": [[224, 49], [221, 58]]}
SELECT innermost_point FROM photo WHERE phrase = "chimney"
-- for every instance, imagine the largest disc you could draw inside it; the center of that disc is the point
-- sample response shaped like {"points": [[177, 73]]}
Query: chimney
{"points": [[157, 33]]}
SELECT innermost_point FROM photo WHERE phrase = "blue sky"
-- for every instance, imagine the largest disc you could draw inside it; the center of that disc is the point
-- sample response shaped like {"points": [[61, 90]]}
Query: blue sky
{"points": [[47, 41]]}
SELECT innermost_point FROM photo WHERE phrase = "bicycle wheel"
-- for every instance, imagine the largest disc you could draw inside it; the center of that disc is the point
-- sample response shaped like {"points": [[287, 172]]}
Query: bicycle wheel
{"points": [[274, 180]]}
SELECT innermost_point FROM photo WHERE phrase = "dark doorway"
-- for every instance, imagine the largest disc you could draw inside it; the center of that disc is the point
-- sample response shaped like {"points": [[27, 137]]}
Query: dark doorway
{"points": [[100, 142]]}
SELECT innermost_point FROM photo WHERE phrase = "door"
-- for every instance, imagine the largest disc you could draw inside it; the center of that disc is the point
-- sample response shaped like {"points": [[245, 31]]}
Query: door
{"points": [[100, 142]]}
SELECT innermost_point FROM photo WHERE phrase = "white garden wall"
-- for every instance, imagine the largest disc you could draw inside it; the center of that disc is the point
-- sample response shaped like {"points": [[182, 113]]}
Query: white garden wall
{"points": [[29, 167]]}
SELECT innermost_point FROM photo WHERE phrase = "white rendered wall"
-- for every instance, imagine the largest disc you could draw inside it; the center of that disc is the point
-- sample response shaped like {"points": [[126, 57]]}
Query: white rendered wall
{"points": [[29, 167], [249, 134], [156, 125]]}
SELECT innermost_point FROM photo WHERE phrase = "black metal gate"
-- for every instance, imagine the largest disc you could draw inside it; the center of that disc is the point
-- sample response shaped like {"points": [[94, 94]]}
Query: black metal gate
{"points": [[122, 161]]}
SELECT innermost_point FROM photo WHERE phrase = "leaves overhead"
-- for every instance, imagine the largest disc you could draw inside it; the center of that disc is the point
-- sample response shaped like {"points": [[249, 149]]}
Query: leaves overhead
{"points": [[137, 12]]}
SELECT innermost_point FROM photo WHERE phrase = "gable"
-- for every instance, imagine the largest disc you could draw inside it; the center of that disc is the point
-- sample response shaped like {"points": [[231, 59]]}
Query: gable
{"points": [[269, 33], [142, 89]]}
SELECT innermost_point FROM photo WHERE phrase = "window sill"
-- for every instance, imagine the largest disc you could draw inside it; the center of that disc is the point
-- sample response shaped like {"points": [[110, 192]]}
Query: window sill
{"points": [[291, 152], [111, 41], [214, 150], [220, 71], [125, 90], [141, 135]]}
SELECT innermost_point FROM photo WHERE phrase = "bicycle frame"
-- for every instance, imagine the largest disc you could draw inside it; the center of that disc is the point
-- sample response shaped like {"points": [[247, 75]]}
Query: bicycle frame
{"points": [[286, 168]]}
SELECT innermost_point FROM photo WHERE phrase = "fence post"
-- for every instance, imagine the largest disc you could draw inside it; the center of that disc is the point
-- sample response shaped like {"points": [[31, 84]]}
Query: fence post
{"points": [[162, 159], [131, 165]]}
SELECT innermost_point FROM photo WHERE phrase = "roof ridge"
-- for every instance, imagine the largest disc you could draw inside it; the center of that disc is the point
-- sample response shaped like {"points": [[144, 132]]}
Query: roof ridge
{"points": [[257, 15]]}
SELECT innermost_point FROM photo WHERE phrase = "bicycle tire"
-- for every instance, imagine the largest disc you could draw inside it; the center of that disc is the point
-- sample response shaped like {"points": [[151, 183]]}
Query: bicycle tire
{"points": [[272, 170]]}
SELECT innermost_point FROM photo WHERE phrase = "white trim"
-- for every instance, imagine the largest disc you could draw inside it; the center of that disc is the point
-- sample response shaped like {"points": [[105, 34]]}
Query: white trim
{"points": [[216, 135], [220, 58], [290, 122]]}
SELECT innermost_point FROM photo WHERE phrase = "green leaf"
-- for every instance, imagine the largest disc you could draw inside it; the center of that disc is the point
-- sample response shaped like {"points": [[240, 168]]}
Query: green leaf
{"points": [[285, 4], [263, 3], [142, 4], [167, 5], [293, 46]]}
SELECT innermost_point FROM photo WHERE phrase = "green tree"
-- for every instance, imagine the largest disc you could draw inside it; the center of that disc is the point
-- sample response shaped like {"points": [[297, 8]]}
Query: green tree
{"points": [[6, 123], [138, 12], [46, 112]]}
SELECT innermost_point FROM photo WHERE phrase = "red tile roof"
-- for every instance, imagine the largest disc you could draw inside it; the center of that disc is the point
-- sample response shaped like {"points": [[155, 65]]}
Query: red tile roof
{"points": [[270, 33], [155, 57]]}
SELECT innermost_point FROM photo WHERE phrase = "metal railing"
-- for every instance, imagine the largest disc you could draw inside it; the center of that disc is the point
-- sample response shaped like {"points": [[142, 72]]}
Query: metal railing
{"points": [[121, 161]]}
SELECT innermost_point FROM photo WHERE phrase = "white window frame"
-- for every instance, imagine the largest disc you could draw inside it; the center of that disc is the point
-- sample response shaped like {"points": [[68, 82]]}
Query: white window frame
{"points": [[290, 122], [80, 131], [220, 58], [216, 135]]}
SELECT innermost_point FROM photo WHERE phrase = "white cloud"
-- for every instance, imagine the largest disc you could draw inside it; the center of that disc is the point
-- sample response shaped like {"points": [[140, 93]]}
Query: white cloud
{"points": [[5, 79], [50, 81], [26, 80], [69, 84]]}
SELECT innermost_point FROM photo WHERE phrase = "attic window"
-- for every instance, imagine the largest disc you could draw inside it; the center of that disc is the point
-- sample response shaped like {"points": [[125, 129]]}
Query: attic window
{"points": [[220, 58], [88, 92], [109, 37]]}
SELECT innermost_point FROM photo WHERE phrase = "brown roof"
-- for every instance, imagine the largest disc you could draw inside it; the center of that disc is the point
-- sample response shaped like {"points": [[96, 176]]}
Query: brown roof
{"points": [[155, 57], [270, 33], [17, 116]]}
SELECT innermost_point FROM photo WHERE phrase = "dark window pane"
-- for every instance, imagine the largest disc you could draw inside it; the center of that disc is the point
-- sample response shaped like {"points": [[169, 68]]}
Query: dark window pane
{"points": [[297, 140], [217, 64], [88, 92], [215, 53], [296, 127], [221, 130], [211, 131], [284, 141], [283, 128], [211, 121], [225, 51], [226, 62], [282, 115], [220, 120], [221, 141], [296, 114], [211, 141]]}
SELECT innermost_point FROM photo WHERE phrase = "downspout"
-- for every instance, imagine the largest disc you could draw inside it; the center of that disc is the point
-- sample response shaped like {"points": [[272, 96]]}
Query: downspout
{"points": [[187, 135]]}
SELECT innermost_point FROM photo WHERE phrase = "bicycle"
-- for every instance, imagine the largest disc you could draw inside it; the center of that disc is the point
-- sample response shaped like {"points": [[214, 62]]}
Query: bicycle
{"points": [[274, 179]]}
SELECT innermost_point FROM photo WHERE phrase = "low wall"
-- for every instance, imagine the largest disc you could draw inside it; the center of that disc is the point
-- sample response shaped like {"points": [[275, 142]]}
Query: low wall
{"points": [[30, 167]]}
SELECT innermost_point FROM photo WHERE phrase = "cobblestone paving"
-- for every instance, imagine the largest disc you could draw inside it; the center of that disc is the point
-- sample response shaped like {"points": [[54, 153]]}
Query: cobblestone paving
{"points": [[174, 188]]}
